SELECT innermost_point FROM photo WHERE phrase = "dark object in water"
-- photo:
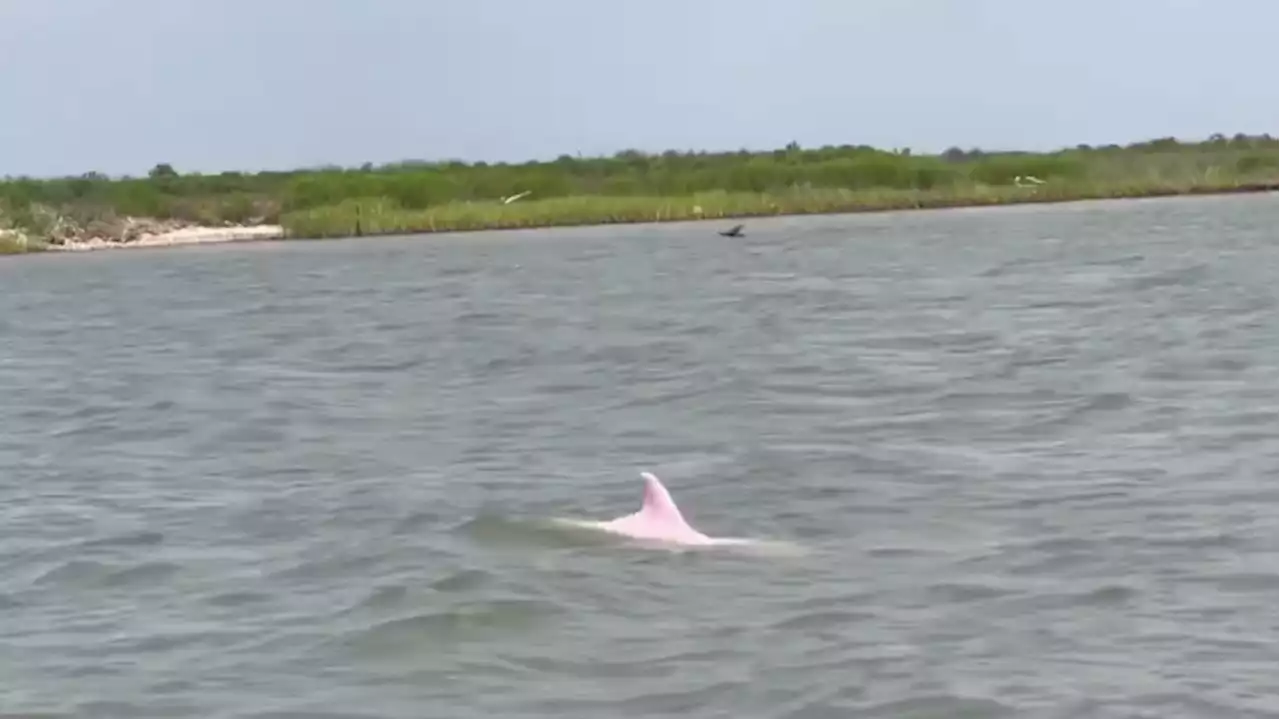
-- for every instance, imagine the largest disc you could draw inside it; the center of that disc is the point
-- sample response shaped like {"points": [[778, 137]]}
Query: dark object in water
{"points": [[735, 231]]}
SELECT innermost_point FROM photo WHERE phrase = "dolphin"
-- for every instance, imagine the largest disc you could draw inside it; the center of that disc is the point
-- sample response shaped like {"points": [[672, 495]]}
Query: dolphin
{"points": [[658, 520]]}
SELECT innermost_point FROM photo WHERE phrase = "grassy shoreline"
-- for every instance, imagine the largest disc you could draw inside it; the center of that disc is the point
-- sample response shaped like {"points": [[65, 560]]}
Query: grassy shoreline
{"points": [[17, 245], [472, 216], [375, 219], [95, 210]]}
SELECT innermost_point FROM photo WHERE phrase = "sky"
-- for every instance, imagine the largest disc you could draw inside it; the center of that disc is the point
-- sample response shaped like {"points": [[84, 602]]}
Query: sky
{"points": [[117, 86]]}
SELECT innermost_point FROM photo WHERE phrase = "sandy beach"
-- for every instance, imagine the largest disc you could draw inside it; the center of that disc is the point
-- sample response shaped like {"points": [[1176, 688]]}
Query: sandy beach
{"points": [[184, 236]]}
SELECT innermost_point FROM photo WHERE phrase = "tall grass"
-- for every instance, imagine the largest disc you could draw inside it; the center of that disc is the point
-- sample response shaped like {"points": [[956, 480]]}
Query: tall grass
{"points": [[373, 216], [635, 186], [15, 243]]}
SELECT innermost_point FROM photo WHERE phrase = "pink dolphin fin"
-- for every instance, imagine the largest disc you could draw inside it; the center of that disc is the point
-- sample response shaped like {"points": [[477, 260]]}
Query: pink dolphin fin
{"points": [[657, 519], [660, 521]]}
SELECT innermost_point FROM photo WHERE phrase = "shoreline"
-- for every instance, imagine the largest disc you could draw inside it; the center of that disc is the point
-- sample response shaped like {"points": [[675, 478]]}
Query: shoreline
{"points": [[931, 204], [192, 235], [16, 242], [166, 208]]}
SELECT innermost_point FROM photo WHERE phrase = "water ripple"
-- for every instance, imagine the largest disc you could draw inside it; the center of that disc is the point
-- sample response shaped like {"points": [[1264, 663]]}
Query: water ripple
{"points": [[1029, 454]]}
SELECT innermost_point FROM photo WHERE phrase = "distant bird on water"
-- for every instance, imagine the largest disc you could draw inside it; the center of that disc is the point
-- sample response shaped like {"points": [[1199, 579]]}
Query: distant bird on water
{"points": [[735, 231]]}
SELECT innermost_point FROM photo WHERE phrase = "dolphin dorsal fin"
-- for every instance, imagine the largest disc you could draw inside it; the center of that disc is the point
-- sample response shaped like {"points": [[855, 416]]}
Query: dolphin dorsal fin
{"points": [[658, 503]]}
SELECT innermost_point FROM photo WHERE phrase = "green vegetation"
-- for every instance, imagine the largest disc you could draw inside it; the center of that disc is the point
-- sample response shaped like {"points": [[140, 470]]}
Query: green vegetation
{"points": [[12, 244], [635, 187], [17, 240], [17, 244]]}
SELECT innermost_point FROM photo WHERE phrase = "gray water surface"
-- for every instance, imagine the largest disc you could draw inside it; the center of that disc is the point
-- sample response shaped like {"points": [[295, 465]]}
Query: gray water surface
{"points": [[1030, 455]]}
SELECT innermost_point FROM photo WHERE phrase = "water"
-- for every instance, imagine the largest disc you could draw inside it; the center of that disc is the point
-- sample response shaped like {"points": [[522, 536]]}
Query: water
{"points": [[1030, 454]]}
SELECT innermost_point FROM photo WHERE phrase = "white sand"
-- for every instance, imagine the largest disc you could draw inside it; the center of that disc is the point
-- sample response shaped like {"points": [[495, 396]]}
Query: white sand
{"points": [[185, 236]]}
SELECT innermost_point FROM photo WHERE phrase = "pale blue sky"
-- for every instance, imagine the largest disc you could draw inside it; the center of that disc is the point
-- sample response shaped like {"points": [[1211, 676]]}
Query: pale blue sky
{"points": [[119, 85]]}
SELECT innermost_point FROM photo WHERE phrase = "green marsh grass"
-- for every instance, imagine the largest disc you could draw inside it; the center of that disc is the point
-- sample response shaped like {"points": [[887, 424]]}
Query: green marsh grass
{"points": [[18, 244], [634, 186], [378, 216]]}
